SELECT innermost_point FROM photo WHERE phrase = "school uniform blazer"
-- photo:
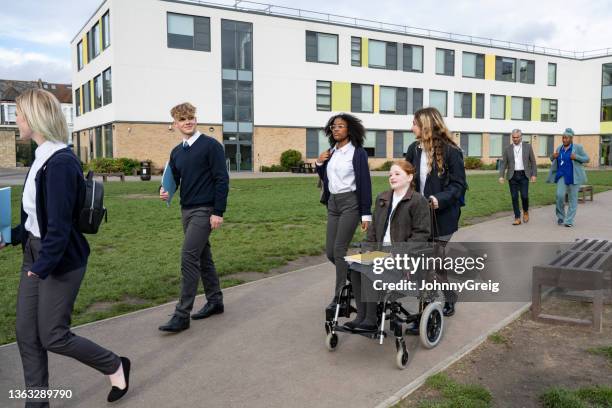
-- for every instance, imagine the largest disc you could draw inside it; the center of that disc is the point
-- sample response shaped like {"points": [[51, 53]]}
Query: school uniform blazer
{"points": [[580, 176], [362, 181], [60, 190], [448, 188]]}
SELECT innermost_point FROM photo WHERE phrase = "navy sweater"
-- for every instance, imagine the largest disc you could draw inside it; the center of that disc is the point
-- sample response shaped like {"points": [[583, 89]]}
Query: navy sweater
{"points": [[60, 191], [200, 172], [362, 181]]}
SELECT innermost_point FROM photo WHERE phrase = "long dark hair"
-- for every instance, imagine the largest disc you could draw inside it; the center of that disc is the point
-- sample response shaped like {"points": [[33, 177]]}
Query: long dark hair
{"points": [[356, 131]]}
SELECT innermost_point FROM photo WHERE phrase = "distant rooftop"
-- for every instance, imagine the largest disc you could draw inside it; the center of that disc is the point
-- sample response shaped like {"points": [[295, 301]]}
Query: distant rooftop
{"points": [[10, 89], [290, 12]]}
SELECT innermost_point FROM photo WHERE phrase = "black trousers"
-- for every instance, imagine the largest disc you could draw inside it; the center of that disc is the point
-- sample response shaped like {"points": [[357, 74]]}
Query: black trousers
{"points": [[196, 260], [519, 183], [44, 309]]}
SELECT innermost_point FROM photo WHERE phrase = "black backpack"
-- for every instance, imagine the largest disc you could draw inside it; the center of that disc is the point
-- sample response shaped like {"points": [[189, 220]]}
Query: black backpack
{"points": [[91, 211]]}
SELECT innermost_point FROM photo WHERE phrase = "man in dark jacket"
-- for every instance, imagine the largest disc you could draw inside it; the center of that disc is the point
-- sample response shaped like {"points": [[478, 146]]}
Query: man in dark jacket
{"points": [[519, 161]]}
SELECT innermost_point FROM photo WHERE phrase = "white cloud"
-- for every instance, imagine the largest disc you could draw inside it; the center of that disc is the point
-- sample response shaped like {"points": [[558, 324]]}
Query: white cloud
{"points": [[22, 29], [28, 66]]}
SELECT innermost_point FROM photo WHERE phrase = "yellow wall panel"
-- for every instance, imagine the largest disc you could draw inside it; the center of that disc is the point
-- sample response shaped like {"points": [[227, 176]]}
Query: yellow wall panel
{"points": [[489, 66], [605, 127], [85, 48], [364, 51], [100, 34], [376, 98], [81, 100], [341, 96], [91, 93], [508, 107], [474, 106], [536, 108]]}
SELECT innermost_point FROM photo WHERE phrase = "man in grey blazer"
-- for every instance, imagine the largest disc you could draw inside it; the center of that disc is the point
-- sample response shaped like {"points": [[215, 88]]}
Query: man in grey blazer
{"points": [[519, 161]]}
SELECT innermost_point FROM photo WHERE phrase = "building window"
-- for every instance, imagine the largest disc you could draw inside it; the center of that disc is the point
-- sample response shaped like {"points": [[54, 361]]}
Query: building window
{"points": [[401, 141], [237, 49], [463, 105], [545, 145], [393, 100], [415, 100], [498, 107], [77, 101], [375, 143], [521, 108], [11, 113], [323, 95], [527, 71], [106, 30], [95, 35], [237, 101], [86, 97], [606, 93], [382, 54], [99, 142], [97, 92], [473, 65], [316, 143], [188, 32], [479, 106], [412, 58], [362, 98], [471, 144], [107, 87], [90, 45], [505, 69], [108, 140], [552, 74], [356, 51], [437, 99], [80, 55], [549, 110], [496, 144], [321, 47], [445, 62]]}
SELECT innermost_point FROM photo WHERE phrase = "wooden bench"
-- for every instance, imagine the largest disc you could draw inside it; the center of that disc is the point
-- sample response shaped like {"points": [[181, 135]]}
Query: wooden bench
{"points": [[585, 266], [584, 189], [304, 168], [106, 175]]}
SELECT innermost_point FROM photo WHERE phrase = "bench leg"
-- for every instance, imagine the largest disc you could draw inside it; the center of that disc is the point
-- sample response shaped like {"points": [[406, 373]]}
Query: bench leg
{"points": [[598, 311]]}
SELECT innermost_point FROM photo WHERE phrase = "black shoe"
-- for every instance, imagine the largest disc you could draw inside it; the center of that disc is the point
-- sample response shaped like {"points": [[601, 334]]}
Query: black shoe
{"points": [[449, 309], [352, 324], [413, 329], [208, 310], [116, 392], [176, 324], [365, 327]]}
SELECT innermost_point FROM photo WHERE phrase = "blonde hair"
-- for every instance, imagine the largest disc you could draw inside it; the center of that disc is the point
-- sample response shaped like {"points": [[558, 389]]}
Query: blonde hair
{"points": [[434, 136], [182, 110], [43, 113]]}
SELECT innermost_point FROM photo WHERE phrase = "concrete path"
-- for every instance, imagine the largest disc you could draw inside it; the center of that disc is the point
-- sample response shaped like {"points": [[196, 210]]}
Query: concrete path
{"points": [[268, 349]]}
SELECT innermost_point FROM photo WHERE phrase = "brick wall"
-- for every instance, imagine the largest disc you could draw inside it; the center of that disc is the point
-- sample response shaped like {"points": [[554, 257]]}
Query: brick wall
{"points": [[270, 142], [8, 153]]}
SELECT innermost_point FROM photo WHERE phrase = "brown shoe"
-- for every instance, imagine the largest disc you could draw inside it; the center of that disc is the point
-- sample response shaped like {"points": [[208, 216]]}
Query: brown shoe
{"points": [[517, 221], [525, 216]]}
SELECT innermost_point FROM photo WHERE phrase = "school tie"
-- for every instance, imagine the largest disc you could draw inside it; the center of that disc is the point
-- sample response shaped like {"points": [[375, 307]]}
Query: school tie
{"points": [[185, 145]]}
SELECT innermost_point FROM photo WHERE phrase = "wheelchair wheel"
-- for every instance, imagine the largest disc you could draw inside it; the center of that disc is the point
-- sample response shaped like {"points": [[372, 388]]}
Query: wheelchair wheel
{"points": [[431, 326], [331, 341], [401, 358]]}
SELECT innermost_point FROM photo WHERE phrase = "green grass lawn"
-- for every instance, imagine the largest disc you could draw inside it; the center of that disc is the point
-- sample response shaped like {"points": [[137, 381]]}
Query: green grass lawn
{"points": [[134, 260]]}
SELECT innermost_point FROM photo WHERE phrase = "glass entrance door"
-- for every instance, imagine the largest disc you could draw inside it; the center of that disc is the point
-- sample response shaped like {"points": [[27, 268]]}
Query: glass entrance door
{"points": [[238, 151]]}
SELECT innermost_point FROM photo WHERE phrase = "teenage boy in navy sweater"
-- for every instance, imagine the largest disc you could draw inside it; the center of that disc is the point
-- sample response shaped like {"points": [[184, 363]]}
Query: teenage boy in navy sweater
{"points": [[198, 166]]}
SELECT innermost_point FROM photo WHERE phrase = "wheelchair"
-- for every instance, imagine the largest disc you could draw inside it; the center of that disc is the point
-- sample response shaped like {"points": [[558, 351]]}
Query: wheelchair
{"points": [[429, 318]]}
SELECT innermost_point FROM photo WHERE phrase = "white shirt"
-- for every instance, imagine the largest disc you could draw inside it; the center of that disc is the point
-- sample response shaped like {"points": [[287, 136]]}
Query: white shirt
{"points": [[192, 139], [341, 174], [518, 157], [396, 199], [423, 170], [28, 199]]}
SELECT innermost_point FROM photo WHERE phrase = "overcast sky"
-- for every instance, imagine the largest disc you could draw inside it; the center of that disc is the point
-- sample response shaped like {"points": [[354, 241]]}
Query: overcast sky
{"points": [[35, 34]]}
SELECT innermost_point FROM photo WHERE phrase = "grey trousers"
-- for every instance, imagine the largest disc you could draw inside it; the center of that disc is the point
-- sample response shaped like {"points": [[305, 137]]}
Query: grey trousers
{"points": [[366, 298], [342, 220], [44, 309], [197, 261]]}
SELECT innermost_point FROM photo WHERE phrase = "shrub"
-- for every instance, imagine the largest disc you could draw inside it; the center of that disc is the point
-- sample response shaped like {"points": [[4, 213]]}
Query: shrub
{"points": [[275, 168], [472, 163], [544, 166], [492, 166], [290, 158], [118, 165], [386, 166]]}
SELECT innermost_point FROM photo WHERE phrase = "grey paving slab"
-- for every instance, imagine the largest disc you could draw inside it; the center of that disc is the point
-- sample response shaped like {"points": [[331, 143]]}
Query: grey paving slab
{"points": [[268, 349]]}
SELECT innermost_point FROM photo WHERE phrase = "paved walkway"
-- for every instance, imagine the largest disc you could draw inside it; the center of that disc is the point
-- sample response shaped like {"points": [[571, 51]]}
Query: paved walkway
{"points": [[268, 349]]}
